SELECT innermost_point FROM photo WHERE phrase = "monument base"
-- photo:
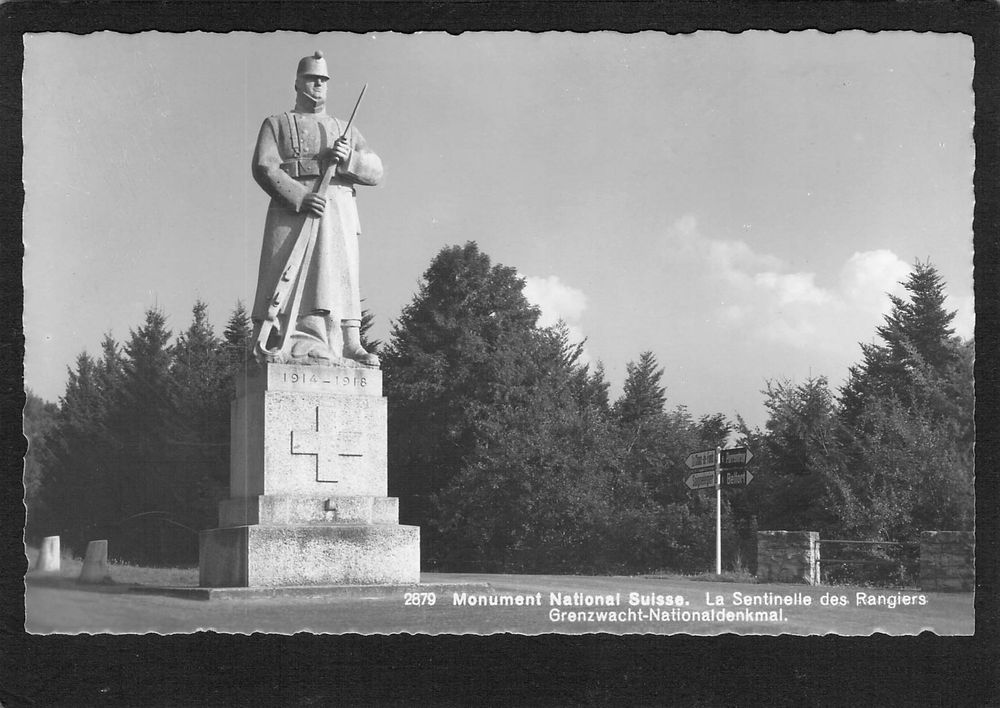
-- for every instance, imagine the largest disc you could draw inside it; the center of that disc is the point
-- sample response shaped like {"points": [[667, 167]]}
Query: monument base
{"points": [[308, 485], [271, 556]]}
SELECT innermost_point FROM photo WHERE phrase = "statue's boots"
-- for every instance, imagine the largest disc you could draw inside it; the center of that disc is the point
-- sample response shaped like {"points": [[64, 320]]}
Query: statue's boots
{"points": [[352, 343], [309, 341]]}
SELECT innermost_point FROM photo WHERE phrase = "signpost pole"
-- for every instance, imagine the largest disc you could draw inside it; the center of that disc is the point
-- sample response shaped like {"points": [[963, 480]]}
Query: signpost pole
{"points": [[718, 511]]}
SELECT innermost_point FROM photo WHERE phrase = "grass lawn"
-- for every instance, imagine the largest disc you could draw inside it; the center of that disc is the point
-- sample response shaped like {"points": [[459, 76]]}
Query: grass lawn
{"points": [[524, 604]]}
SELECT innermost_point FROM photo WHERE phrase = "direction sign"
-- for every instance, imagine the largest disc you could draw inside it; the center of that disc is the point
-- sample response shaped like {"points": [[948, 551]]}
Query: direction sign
{"points": [[736, 478], [701, 480], [700, 460], [735, 457]]}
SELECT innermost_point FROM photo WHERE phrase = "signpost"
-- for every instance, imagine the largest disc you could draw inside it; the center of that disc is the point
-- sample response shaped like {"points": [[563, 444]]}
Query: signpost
{"points": [[700, 480], [699, 460], [734, 479], [731, 479], [735, 457], [718, 511], [728, 469]]}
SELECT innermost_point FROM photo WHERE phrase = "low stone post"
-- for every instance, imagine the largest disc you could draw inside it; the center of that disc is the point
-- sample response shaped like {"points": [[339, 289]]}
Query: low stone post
{"points": [[788, 557], [947, 561], [48, 556], [95, 564]]}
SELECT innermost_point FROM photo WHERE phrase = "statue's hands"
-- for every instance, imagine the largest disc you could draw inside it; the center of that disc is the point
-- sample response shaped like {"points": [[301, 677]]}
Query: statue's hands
{"points": [[340, 153], [313, 204]]}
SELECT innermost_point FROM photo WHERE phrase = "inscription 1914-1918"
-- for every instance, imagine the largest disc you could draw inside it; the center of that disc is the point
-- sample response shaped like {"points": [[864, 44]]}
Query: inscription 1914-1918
{"points": [[321, 378], [331, 380]]}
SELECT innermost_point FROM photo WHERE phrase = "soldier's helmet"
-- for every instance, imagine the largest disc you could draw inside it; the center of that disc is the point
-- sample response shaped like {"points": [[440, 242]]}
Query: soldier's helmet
{"points": [[314, 65]]}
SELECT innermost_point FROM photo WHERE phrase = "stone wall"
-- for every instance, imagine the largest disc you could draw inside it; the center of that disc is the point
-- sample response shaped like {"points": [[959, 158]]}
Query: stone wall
{"points": [[947, 560], [788, 557]]}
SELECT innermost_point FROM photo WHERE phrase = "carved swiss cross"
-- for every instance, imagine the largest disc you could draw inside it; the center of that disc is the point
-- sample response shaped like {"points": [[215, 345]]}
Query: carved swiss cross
{"points": [[337, 450]]}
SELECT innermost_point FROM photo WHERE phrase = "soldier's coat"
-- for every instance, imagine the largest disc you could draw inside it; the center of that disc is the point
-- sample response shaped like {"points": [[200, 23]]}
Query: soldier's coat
{"points": [[287, 175]]}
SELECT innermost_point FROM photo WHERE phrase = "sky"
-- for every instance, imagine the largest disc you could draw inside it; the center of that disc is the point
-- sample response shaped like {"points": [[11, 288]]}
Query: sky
{"points": [[737, 204]]}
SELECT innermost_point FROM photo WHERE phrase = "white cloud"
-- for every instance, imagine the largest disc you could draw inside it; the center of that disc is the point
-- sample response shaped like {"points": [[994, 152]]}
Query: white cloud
{"points": [[965, 315], [558, 301], [793, 288], [789, 307], [734, 258], [866, 278]]}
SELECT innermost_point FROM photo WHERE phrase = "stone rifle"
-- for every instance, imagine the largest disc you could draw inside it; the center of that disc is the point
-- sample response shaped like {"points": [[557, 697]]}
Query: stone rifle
{"points": [[295, 266]]}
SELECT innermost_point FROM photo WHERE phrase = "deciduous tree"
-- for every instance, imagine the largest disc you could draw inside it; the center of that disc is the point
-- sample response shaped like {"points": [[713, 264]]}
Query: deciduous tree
{"points": [[496, 429], [454, 352]]}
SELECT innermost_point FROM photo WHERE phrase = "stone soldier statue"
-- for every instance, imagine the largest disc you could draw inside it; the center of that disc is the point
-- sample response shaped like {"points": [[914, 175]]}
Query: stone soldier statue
{"points": [[294, 150]]}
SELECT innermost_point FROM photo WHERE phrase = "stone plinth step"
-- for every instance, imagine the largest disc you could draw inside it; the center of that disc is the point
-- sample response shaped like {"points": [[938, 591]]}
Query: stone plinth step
{"points": [[280, 556], [331, 592]]}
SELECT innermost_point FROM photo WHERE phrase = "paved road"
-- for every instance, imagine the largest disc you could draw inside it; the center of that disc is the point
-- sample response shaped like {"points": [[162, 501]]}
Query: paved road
{"points": [[524, 604]]}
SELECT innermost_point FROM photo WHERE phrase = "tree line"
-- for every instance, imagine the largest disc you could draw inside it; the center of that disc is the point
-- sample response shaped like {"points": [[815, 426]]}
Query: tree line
{"points": [[507, 450], [141, 431]]}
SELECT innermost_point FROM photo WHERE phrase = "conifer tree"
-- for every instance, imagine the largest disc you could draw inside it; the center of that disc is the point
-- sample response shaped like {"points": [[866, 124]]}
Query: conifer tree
{"points": [[369, 344], [908, 409], [202, 383], [643, 395], [80, 488], [199, 374], [110, 366], [592, 387], [918, 350], [654, 444], [649, 436], [922, 323], [237, 338], [146, 417]]}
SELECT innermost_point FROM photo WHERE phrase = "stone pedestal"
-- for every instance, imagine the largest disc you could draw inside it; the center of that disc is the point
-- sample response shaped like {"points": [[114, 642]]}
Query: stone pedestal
{"points": [[308, 485], [788, 557], [948, 561]]}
